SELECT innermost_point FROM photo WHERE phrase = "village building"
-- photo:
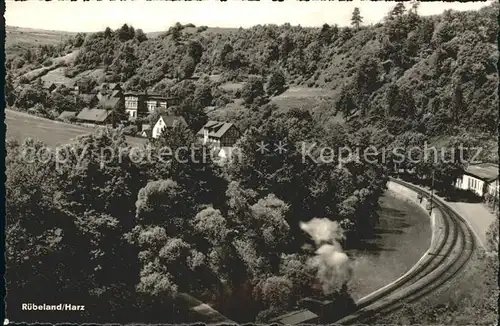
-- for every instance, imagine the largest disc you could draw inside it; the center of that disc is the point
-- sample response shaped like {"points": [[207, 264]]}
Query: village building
{"points": [[138, 104], [135, 104], [222, 136], [154, 101], [166, 122], [480, 178], [112, 103], [94, 116]]}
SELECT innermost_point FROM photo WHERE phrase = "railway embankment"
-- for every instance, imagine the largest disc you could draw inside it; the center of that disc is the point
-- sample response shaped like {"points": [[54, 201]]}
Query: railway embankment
{"points": [[409, 195], [451, 248], [437, 236]]}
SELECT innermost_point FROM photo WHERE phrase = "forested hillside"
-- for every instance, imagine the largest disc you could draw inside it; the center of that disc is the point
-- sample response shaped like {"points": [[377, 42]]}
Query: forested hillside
{"points": [[125, 238], [434, 75]]}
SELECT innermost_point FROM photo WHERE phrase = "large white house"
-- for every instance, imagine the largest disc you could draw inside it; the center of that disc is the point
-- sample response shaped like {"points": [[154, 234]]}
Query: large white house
{"points": [[166, 121], [480, 178]]}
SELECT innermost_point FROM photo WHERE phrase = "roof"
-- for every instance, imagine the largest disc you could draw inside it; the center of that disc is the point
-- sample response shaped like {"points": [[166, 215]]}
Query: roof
{"points": [[215, 129], [87, 98], [484, 171], [97, 115], [296, 317], [146, 127], [158, 97], [110, 103], [111, 86], [132, 93], [172, 120], [67, 115], [115, 93]]}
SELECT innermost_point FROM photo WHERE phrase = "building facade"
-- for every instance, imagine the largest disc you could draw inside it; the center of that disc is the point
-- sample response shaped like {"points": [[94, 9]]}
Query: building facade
{"points": [[135, 105], [142, 104], [480, 179], [222, 136], [219, 134], [166, 122]]}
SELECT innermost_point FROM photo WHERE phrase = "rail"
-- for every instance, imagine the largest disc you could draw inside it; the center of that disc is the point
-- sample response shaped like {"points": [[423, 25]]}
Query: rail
{"points": [[448, 257]]}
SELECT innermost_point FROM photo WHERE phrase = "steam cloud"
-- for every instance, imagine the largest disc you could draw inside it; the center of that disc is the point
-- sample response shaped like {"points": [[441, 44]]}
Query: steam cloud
{"points": [[332, 264]]}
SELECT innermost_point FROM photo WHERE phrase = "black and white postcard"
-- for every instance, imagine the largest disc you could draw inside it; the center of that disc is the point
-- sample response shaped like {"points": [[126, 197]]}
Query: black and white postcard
{"points": [[264, 162]]}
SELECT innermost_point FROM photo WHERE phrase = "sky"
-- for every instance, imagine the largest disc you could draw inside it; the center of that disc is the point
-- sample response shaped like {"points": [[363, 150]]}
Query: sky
{"points": [[159, 15]]}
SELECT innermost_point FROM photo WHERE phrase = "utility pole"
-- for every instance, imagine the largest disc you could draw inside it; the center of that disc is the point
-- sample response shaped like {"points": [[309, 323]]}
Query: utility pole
{"points": [[495, 195], [432, 193]]}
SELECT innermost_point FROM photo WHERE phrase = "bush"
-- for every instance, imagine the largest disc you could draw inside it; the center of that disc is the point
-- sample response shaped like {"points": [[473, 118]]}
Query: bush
{"points": [[252, 89], [130, 130], [47, 63], [276, 83]]}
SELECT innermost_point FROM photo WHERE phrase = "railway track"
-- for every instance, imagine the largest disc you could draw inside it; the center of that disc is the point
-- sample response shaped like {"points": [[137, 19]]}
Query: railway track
{"points": [[448, 256]]}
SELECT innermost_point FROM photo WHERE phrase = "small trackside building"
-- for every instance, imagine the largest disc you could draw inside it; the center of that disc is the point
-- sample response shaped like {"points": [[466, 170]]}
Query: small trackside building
{"points": [[480, 178]]}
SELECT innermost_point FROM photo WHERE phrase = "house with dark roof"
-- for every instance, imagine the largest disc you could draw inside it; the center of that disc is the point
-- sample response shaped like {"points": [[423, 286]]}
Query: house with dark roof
{"points": [[139, 104], [154, 101], [166, 122], [135, 104], [480, 178], [94, 116], [111, 103], [222, 136]]}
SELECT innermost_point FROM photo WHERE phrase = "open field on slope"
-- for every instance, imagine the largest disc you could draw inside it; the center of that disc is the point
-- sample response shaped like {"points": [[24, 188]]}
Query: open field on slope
{"points": [[53, 133], [32, 36], [304, 97]]}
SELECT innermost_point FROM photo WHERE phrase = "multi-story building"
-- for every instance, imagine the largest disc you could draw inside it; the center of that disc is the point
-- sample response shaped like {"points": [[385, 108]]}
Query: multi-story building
{"points": [[135, 105], [154, 101], [141, 104]]}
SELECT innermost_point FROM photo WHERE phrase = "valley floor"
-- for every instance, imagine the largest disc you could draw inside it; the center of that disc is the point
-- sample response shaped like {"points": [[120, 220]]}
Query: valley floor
{"points": [[402, 237], [22, 125]]}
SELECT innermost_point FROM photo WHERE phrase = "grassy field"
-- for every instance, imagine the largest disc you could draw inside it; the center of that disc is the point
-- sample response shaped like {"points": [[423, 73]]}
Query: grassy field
{"points": [[53, 133], [22, 35], [193, 30], [401, 238], [304, 97], [55, 72]]}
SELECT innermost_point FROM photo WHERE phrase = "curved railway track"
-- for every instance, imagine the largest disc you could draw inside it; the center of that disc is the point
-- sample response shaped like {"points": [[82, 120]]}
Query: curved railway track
{"points": [[450, 253]]}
